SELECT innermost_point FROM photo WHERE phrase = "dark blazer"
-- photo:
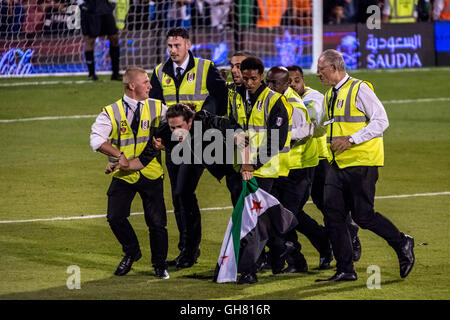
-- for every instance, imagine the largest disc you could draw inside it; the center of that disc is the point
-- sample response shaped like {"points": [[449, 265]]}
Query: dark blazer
{"points": [[218, 91]]}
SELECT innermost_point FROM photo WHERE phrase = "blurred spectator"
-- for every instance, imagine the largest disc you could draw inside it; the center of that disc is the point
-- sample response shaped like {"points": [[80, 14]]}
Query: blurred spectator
{"points": [[441, 10], [400, 11], [12, 15], [55, 16], [343, 11], [177, 13], [220, 10], [200, 14], [34, 18], [299, 13], [270, 13], [423, 10]]}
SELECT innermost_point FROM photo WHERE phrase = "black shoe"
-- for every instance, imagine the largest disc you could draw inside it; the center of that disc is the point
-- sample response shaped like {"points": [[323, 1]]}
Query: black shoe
{"points": [[174, 262], [356, 248], [187, 260], [116, 77], [295, 269], [248, 278], [125, 265], [325, 260], [161, 273], [406, 256], [341, 276], [93, 77]]}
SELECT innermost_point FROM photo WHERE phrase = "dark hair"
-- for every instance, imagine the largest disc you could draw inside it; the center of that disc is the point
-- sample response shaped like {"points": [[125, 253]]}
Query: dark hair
{"points": [[253, 63], [243, 54], [295, 68], [187, 111], [178, 32]]}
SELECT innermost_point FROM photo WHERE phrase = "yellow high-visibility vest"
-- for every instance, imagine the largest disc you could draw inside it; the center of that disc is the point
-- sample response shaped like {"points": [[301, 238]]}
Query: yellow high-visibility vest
{"points": [[305, 155], [192, 89], [120, 13], [256, 126], [402, 11], [347, 120], [122, 138]]}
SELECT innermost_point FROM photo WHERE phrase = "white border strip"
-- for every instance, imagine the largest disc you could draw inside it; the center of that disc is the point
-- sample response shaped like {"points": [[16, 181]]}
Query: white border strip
{"points": [[93, 116], [214, 208]]}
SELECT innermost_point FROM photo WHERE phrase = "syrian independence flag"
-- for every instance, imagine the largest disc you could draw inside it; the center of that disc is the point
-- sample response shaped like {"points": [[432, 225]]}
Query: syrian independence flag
{"points": [[256, 217]]}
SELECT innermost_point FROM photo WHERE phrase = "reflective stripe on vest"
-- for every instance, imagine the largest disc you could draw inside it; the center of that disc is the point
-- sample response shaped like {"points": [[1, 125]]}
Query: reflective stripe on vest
{"points": [[369, 153], [122, 138], [304, 154], [402, 11], [192, 88], [256, 126]]}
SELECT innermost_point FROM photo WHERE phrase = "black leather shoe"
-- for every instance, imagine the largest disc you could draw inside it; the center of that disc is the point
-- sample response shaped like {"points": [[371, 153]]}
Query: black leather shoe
{"points": [[116, 77], [295, 269], [187, 260], [248, 278], [93, 77], [125, 265], [161, 273], [341, 276], [406, 256], [325, 260], [356, 248]]}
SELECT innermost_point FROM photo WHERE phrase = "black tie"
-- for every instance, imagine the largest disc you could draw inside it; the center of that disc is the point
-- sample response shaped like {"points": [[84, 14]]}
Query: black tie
{"points": [[333, 101], [136, 119], [178, 76]]}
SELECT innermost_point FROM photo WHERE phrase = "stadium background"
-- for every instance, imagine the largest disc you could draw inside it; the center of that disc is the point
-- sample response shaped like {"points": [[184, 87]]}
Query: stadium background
{"points": [[53, 200]]}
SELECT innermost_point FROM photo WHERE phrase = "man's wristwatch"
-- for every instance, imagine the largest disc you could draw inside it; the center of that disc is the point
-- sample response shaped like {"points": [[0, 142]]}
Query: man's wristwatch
{"points": [[350, 139]]}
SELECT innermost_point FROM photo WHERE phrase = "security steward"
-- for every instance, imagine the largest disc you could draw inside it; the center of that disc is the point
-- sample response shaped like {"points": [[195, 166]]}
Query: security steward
{"points": [[185, 79], [294, 190], [313, 101], [266, 116], [355, 126], [121, 131]]}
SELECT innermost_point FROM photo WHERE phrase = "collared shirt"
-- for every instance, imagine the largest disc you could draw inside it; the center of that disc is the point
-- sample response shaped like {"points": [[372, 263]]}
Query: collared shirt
{"points": [[369, 104], [300, 127], [101, 129], [183, 66]]}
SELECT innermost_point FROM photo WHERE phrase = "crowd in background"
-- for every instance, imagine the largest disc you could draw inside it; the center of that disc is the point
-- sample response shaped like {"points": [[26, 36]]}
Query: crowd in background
{"points": [[51, 16]]}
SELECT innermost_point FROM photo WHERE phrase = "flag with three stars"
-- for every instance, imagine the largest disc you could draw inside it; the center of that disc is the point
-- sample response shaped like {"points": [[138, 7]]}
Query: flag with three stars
{"points": [[256, 217]]}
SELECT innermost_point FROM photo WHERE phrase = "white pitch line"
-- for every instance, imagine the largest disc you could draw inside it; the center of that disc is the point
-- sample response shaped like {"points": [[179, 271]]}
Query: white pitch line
{"points": [[213, 208], [93, 116], [48, 118]]}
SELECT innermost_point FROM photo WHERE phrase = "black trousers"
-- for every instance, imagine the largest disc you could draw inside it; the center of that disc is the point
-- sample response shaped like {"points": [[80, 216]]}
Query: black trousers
{"points": [[317, 191], [250, 253], [184, 179], [294, 191], [120, 196], [353, 189]]}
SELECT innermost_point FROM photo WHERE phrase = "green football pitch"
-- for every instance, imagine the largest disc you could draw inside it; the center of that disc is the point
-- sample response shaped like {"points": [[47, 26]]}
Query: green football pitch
{"points": [[49, 172]]}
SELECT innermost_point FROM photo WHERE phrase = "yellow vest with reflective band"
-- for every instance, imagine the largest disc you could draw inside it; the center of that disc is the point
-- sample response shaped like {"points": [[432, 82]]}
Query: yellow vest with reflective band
{"points": [[192, 88], [256, 126], [402, 11], [305, 155], [348, 120], [122, 138], [321, 141], [120, 12]]}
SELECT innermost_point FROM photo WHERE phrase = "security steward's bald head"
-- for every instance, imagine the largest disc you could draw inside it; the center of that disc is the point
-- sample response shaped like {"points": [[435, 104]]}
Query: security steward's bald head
{"points": [[277, 79]]}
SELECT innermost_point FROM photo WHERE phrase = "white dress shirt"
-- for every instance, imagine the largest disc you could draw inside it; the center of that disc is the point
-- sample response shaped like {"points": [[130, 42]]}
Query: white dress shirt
{"points": [[300, 127], [101, 129], [183, 66], [369, 104], [316, 111]]}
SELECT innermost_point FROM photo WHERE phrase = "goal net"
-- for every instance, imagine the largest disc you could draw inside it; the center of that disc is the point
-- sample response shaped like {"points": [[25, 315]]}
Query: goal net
{"points": [[40, 37]]}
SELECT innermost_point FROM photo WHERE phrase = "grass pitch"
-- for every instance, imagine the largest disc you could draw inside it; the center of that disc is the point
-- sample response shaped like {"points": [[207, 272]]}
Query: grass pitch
{"points": [[48, 170]]}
